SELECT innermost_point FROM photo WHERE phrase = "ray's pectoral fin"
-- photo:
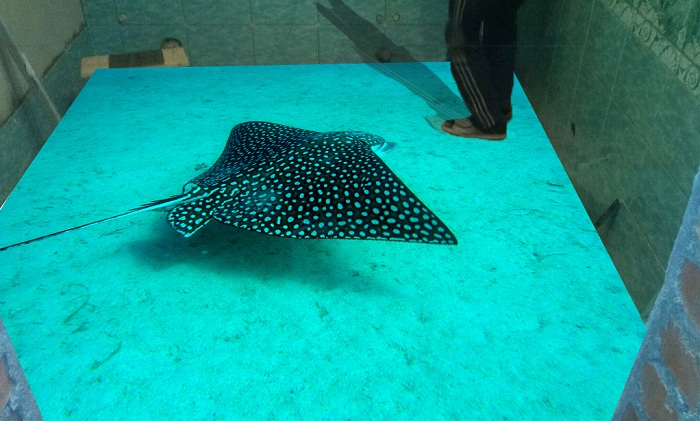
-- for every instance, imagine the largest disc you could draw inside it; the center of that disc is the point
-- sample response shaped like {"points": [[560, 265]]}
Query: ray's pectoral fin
{"points": [[188, 218]]}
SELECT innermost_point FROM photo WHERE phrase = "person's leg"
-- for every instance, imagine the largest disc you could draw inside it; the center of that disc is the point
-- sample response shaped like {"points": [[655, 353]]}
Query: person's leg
{"points": [[470, 66], [500, 32]]}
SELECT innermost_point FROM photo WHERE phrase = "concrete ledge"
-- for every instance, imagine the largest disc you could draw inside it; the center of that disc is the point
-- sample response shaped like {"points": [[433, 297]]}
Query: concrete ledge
{"points": [[16, 399], [665, 380]]}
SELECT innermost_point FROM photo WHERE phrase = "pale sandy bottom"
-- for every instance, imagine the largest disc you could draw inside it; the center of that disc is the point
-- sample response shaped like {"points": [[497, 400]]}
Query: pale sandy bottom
{"points": [[525, 319]]}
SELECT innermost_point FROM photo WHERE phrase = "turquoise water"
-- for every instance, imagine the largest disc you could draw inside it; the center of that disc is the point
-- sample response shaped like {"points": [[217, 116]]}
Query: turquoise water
{"points": [[525, 319]]}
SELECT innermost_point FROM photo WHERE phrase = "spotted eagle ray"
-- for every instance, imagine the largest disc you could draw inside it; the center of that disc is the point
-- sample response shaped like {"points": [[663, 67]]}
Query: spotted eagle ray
{"points": [[296, 183]]}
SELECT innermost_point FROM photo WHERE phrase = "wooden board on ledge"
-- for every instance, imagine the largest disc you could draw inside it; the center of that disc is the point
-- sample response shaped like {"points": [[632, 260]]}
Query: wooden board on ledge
{"points": [[169, 57]]}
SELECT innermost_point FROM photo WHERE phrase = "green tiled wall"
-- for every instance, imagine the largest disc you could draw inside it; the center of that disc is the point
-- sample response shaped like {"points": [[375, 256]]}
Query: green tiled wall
{"points": [[221, 32], [616, 85]]}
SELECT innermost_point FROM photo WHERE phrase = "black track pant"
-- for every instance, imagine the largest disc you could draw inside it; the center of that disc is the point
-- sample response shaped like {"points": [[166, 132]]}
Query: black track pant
{"points": [[481, 37]]}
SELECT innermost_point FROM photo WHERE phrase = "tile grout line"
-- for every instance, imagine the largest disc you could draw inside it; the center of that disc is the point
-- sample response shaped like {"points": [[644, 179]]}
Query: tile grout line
{"points": [[580, 64], [252, 31], [615, 78]]}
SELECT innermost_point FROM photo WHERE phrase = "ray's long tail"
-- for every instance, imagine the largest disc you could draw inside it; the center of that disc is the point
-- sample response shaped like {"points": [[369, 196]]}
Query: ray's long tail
{"points": [[169, 202]]}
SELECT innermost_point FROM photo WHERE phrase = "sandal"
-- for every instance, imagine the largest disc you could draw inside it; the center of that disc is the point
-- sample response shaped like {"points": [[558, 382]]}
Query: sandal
{"points": [[463, 127]]}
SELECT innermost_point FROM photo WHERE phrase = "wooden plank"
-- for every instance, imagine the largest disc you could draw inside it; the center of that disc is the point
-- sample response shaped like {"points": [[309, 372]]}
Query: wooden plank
{"points": [[171, 57]]}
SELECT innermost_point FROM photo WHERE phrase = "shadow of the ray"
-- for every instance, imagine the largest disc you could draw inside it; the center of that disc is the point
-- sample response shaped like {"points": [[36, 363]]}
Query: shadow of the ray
{"points": [[235, 253]]}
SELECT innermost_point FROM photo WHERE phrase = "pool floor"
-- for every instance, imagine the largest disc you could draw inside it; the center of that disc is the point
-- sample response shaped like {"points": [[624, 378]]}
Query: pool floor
{"points": [[525, 319]]}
